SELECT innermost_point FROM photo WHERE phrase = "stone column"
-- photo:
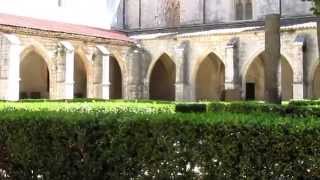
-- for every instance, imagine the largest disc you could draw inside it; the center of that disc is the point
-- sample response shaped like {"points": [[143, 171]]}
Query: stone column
{"points": [[101, 67], [318, 35], [298, 73], [65, 70], [10, 49], [136, 85], [272, 61], [232, 88], [181, 84]]}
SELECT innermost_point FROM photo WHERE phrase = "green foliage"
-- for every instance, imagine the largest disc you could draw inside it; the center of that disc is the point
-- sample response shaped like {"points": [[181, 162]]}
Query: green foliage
{"points": [[89, 106], [72, 145], [305, 103], [294, 109], [245, 107], [316, 6], [191, 107]]}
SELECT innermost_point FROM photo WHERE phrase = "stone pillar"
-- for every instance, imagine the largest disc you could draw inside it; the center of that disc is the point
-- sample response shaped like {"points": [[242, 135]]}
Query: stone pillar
{"points": [[272, 61], [101, 70], [65, 70], [10, 50], [298, 73], [181, 85], [318, 35], [136, 85], [232, 87]]}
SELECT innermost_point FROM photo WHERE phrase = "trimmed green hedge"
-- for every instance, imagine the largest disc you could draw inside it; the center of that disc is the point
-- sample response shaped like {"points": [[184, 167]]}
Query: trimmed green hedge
{"points": [[147, 107], [253, 107], [245, 107], [56, 146], [191, 108], [305, 103]]}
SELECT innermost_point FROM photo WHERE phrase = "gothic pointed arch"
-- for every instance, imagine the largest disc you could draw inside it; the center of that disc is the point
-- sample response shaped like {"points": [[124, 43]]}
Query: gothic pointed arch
{"points": [[254, 79], [162, 79], [209, 82], [34, 74]]}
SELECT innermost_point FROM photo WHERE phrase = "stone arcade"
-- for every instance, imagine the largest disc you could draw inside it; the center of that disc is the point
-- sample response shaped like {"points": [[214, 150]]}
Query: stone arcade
{"points": [[208, 55]]}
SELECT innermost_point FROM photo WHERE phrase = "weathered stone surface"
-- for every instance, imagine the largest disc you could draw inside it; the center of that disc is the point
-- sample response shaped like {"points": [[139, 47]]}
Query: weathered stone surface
{"points": [[164, 13], [272, 59]]}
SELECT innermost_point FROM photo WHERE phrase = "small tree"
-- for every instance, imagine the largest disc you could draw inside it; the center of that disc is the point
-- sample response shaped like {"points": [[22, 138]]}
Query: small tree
{"points": [[316, 6]]}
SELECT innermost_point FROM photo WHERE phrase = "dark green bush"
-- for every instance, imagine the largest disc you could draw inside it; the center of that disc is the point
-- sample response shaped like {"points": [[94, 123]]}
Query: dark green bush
{"points": [[217, 107], [304, 103], [246, 107], [60, 146], [303, 111], [191, 108]]}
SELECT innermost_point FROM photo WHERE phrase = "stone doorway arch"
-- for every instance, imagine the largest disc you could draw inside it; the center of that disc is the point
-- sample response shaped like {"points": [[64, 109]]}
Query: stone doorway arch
{"points": [[210, 78], [162, 79], [34, 76], [254, 79]]}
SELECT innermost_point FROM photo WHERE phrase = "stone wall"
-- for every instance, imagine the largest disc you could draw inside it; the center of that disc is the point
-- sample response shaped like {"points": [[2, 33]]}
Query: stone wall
{"points": [[49, 51], [230, 52], [165, 13], [298, 47]]}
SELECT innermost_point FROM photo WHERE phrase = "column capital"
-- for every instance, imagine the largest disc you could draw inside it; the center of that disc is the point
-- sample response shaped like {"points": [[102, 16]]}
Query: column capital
{"points": [[103, 50], [233, 43], [67, 46], [12, 38]]}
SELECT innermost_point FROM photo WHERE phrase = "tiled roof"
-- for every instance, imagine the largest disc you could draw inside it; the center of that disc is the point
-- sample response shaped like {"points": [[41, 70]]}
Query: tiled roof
{"points": [[46, 25]]}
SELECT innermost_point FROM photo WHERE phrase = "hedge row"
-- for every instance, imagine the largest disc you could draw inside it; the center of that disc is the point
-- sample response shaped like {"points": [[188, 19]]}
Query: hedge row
{"points": [[94, 106], [305, 103], [55, 146], [249, 107]]}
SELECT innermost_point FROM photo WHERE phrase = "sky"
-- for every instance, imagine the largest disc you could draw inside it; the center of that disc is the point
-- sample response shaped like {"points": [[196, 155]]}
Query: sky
{"points": [[86, 12]]}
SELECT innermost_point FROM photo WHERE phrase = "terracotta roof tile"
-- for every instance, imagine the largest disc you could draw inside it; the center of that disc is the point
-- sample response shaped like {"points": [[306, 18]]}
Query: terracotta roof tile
{"points": [[33, 23]]}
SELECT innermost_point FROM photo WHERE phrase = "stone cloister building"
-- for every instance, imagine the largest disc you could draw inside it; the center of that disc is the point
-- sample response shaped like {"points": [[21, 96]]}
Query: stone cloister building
{"points": [[168, 50]]}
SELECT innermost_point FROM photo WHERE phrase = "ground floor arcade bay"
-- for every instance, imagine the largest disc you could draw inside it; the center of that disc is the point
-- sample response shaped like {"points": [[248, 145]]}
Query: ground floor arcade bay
{"points": [[228, 64]]}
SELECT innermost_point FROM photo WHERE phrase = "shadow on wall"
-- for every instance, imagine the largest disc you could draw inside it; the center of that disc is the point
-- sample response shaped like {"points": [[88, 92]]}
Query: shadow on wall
{"points": [[80, 78], [115, 79]]}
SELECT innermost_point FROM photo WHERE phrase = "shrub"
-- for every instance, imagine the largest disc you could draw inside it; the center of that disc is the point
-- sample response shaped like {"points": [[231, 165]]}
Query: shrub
{"points": [[304, 103], [217, 107], [245, 107], [60, 145], [94, 106], [191, 108]]}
